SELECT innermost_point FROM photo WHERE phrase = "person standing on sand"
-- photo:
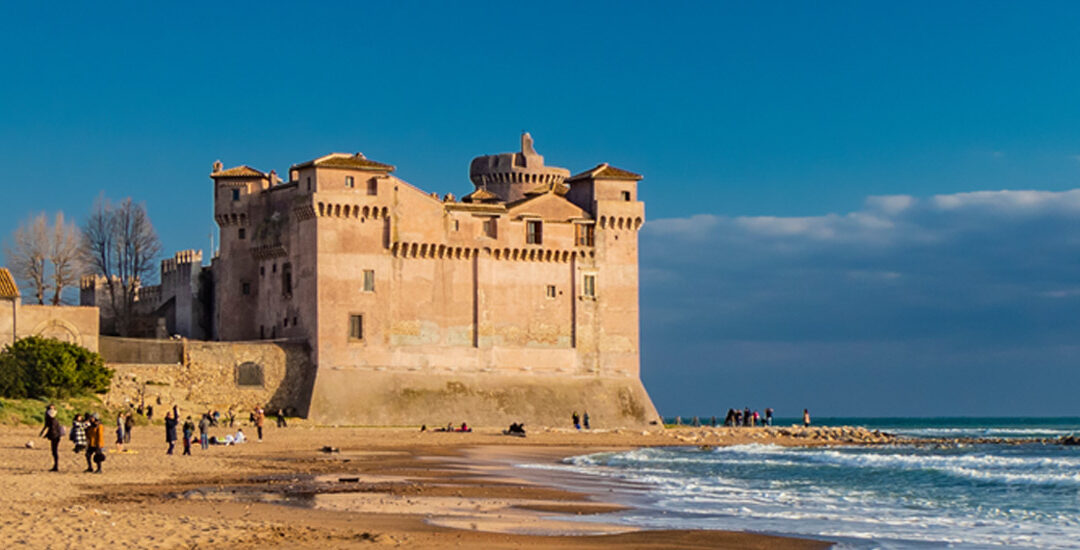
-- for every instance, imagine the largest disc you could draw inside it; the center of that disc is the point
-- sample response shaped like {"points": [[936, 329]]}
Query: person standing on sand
{"points": [[576, 420], [120, 431], [259, 416], [78, 432], [768, 416], [170, 432], [129, 424], [806, 418], [189, 431], [281, 419], [95, 440], [54, 432], [204, 426], [585, 419]]}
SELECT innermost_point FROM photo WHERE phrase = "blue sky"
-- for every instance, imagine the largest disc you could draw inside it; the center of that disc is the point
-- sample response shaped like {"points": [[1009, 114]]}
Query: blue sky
{"points": [[774, 273]]}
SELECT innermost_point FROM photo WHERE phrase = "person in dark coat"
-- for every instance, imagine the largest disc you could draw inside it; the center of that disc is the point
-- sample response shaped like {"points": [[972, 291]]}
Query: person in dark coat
{"points": [[170, 431], [54, 433]]}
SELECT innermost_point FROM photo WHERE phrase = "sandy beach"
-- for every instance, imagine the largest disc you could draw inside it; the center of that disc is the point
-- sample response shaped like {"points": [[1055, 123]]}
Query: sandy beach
{"points": [[384, 486]]}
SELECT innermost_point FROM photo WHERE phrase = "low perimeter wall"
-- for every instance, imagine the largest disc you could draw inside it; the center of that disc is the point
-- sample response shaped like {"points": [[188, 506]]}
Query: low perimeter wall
{"points": [[365, 397], [211, 375]]}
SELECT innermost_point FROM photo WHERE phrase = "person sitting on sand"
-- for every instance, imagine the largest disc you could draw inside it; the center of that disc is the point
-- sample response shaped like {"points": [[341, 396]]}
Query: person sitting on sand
{"points": [[240, 437], [515, 429]]}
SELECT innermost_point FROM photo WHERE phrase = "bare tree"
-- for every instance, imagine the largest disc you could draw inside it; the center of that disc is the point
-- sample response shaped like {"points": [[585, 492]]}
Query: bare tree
{"points": [[28, 254], [64, 255], [120, 244]]}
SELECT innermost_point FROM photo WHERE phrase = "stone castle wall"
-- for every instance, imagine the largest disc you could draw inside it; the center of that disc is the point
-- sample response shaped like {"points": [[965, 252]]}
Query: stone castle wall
{"points": [[210, 375]]}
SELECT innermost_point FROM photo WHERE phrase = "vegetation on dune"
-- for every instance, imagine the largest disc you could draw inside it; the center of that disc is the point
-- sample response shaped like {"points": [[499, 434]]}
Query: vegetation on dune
{"points": [[31, 412]]}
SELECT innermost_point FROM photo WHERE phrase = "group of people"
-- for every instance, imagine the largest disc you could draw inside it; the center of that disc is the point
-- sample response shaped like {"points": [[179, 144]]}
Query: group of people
{"points": [[746, 417], [579, 421], [88, 431]]}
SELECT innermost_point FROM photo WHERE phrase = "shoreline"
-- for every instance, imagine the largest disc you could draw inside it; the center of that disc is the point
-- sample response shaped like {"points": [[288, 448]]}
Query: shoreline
{"points": [[386, 485]]}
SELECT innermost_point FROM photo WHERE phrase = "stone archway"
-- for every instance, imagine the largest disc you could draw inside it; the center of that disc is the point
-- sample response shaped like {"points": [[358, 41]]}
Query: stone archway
{"points": [[58, 329]]}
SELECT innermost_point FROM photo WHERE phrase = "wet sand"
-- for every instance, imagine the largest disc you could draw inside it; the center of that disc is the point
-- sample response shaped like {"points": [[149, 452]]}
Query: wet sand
{"points": [[385, 487]]}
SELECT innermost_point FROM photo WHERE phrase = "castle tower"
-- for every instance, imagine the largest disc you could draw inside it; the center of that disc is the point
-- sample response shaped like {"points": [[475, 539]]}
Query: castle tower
{"points": [[512, 176]]}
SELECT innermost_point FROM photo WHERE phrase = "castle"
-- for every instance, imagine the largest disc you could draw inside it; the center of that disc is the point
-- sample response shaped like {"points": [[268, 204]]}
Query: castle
{"points": [[518, 302]]}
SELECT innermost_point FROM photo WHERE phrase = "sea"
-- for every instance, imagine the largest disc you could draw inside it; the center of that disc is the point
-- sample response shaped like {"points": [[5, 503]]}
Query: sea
{"points": [[888, 497]]}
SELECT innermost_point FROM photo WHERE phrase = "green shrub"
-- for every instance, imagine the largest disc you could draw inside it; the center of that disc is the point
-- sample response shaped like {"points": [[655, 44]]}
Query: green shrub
{"points": [[37, 367]]}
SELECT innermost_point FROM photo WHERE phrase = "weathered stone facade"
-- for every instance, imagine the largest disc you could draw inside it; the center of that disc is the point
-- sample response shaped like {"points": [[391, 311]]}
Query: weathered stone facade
{"points": [[209, 375], [525, 292], [78, 325]]}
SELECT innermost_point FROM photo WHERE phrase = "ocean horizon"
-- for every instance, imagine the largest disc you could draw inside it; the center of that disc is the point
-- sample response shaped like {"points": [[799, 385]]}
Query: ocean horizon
{"points": [[901, 496]]}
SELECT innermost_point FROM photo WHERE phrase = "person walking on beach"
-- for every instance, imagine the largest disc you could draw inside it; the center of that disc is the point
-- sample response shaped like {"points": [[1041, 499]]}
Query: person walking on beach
{"points": [[259, 416], [78, 432], [189, 432], [95, 442], [806, 418], [204, 426], [768, 416], [54, 432], [281, 419], [576, 420], [585, 419], [170, 432]]}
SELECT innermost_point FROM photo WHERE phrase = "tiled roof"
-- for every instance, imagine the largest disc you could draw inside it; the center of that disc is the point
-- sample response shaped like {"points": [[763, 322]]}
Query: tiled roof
{"points": [[559, 189], [242, 171], [480, 195], [606, 171], [345, 160], [8, 288]]}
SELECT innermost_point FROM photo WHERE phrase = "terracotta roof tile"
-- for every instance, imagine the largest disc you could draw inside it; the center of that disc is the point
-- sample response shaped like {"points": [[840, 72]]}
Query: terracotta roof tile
{"points": [[242, 171], [344, 160], [480, 195], [8, 288], [606, 171]]}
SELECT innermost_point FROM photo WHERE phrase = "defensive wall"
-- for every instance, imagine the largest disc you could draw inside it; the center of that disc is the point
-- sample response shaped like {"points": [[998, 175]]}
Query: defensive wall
{"points": [[200, 375]]}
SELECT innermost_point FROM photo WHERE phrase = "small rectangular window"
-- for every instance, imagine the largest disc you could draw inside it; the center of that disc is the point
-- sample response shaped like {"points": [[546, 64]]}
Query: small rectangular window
{"points": [[491, 228], [241, 233], [589, 287], [356, 327], [350, 183], [373, 186], [534, 232], [235, 194], [245, 288], [457, 225], [626, 195], [285, 323], [309, 183], [262, 270], [369, 280], [551, 291], [584, 234], [286, 282]]}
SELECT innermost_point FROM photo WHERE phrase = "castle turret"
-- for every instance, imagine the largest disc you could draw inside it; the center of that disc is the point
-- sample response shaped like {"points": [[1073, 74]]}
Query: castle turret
{"points": [[511, 176]]}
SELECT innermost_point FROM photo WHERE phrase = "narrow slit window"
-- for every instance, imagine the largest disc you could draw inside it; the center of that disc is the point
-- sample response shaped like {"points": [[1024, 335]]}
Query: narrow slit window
{"points": [[356, 327], [369, 280], [588, 288], [235, 194], [626, 196], [241, 233], [551, 291]]}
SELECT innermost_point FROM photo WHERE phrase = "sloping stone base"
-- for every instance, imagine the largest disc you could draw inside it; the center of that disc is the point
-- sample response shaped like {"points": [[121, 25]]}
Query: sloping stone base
{"points": [[380, 398]]}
